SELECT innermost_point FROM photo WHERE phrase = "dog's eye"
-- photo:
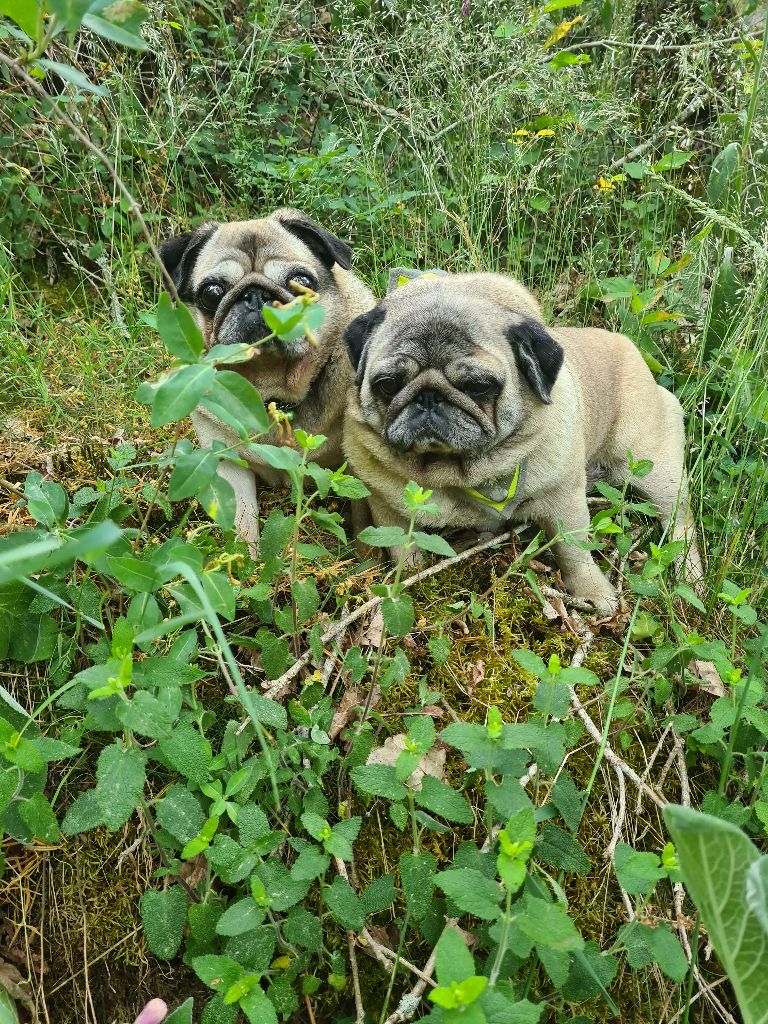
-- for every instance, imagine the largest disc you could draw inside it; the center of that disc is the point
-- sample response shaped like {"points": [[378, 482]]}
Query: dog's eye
{"points": [[386, 387], [305, 280], [480, 390], [209, 297]]}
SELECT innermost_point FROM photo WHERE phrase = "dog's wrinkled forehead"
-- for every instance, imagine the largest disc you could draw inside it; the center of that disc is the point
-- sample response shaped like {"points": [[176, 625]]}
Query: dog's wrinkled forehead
{"points": [[434, 331], [235, 250]]}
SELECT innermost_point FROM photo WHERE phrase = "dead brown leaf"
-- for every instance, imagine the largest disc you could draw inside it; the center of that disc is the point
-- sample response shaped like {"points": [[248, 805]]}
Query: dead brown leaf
{"points": [[432, 763], [710, 679]]}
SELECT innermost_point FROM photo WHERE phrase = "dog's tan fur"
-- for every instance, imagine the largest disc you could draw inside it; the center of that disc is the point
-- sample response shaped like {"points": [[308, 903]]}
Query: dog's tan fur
{"points": [[604, 402], [313, 381]]}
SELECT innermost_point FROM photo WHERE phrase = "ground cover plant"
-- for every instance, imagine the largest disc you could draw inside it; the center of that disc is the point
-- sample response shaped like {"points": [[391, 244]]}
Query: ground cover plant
{"points": [[311, 787]]}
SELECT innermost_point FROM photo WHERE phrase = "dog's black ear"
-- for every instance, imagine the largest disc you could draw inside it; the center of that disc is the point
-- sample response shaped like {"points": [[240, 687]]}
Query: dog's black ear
{"points": [[179, 255], [538, 356], [327, 247], [357, 334]]}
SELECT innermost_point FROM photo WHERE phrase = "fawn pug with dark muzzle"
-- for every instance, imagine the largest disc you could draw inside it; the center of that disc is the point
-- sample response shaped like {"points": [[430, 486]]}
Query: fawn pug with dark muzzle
{"points": [[227, 274], [461, 387]]}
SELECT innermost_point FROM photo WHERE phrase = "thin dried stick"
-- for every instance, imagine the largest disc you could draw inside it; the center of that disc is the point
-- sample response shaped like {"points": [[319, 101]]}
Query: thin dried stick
{"points": [[280, 686], [360, 1010], [409, 1003]]}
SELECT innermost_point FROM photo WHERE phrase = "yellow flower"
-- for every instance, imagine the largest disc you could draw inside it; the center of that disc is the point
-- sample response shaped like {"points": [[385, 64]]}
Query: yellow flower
{"points": [[604, 185], [544, 132], [561, 30], [519, 137]]}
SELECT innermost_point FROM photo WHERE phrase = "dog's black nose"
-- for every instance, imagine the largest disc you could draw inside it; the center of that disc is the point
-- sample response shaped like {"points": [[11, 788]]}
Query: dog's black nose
{"points": [[253, 298], [429, 399]]}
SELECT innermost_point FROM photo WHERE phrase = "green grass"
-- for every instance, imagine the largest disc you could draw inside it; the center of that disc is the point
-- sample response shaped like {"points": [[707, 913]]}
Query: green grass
{"points": [[396, 128]]}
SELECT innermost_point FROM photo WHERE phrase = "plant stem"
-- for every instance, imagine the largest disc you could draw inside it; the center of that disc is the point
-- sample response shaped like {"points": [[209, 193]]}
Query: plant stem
{"points": [[503, 944], [692, 967]]}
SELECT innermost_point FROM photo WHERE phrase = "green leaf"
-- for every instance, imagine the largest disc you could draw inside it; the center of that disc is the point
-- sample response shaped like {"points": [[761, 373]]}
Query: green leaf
{"points": [[453, 961], [398, 615], [217, 972], [119, 783], [556, 848], [180, 814], [134, 573], [237, 403], [182, 1014], [71, 75], [218, 500], [378, 780], [666, 950], [188, 752], [277, 457], [83, 815], [716, 860], [26, 14], [178, 330], [257, 1006], [180, 393], [724, 168], [274, 654], [439, 798], [548, 924], [637, 872], [471, 891], [240, 917], [163, 915], [433, 542], [37, 814], [46, 501], [303, 929], [417, 872], [220, 593], [69, 13], [568, 800], [145, 715], [192, 473], [33, 639], [672, 161], [380, 895], [310, 864], [345, 904], [382, 536]]}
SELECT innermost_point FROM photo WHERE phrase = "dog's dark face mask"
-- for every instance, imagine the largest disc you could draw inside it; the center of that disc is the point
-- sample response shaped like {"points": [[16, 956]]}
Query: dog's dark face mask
{"points": [[228, 273], [440, 380]]}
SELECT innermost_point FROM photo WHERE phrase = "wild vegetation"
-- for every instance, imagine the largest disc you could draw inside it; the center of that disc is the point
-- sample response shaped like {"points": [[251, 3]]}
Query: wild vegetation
{"points": [[311, 788]]}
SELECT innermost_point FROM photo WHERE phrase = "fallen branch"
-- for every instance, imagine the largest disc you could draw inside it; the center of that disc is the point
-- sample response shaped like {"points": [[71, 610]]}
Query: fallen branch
{"points": [[409, 1003], [280, 686]]}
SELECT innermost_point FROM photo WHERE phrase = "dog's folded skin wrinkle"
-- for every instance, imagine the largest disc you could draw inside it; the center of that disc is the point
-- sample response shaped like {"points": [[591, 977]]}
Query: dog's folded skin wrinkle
{"points": [[253, 262], [565, 399]]}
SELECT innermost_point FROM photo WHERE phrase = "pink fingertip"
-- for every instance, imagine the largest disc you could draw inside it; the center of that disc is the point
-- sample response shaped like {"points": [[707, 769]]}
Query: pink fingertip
{"points": [[153, 1013]]}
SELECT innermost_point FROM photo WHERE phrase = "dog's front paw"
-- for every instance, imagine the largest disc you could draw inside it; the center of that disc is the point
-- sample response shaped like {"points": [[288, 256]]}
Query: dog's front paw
{"points": [[596, 589]]}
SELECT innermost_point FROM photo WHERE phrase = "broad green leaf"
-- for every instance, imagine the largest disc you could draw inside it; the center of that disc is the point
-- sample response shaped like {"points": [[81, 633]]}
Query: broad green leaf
{"points": [[72, 76], [258, 1007], [180, 393], [188, 752], [182, 1014], [724, 168], [637, 872], [471, 891], [145, 715], [163, 915], [303, 929], [417, 874], [237, 402], [379, 896], [192, 473], [69, 13], [26, 14], [440, 798], [672, 161], [716, 859], [119, 782], [378, 780], [178, 331], [37, 814], [218, 500], [20, 556], [240, 917], [433, 542], [279, 458], [47, 501], [33, 639], [453, 961], [180, 814], [217, 972], [345, 904], [309, 865], [556, 848], [134, 573], [548, 924], [398, 614], [666, 950], [220, 593], [382, 536]]}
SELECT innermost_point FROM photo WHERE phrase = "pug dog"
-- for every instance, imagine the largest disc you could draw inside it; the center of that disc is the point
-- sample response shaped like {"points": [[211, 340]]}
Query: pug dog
{"points": [[461, 387], [226, 274]]}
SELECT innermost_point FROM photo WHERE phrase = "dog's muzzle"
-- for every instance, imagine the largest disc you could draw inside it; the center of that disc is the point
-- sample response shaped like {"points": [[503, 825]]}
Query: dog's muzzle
{"points": [[239, 319]]}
